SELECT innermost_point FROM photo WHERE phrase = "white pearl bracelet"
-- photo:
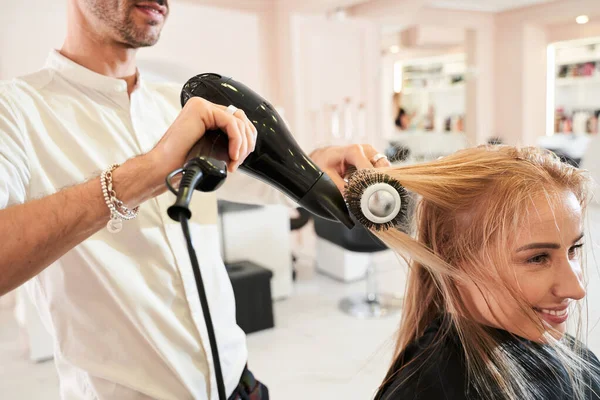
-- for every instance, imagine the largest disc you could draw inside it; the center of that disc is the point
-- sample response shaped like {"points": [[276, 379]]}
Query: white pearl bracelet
{"points": [[118, 211]]}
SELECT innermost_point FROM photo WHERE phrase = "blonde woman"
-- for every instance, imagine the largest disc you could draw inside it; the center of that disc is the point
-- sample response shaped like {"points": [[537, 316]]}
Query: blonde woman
{"points": [[495, 276]]}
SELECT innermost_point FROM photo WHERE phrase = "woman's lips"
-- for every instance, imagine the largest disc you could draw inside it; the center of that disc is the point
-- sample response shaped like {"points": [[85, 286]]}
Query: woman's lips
{"points": [[554, 316]]}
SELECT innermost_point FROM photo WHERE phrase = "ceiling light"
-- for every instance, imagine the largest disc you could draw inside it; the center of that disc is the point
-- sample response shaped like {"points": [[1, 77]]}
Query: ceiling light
{"points": [[394, 49], [582, 19], [339, 14]]}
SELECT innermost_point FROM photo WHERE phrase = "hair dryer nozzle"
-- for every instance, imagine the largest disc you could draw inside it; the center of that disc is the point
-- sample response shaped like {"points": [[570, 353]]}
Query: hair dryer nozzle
{"points": [[324, 200]]}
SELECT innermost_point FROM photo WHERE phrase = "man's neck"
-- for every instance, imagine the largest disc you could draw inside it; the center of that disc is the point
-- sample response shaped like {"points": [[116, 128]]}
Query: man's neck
{"points": [[106, 58]]}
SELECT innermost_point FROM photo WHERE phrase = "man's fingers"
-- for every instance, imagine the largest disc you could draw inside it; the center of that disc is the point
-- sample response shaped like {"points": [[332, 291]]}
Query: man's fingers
{"points": [[247, 130], [229, 124], [375, 157], [244, 148], [250, 137], [355, 155], [365, 156], [337, 179], [381, 161]]}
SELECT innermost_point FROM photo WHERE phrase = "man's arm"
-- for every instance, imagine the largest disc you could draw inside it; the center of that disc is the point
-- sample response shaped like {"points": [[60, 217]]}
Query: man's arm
{"points": [[38, 232]]}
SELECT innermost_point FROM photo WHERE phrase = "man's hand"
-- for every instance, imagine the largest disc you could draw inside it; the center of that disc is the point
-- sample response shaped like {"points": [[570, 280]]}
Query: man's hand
{"points": [[196, 117], [335, 160]]}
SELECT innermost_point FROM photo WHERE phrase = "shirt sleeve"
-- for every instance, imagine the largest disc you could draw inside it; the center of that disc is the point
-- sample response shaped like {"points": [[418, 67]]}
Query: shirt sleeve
{"points": [[14, 166]]}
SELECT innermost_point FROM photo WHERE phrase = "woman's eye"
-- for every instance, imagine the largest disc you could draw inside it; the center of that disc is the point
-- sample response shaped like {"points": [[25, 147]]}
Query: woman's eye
{"points": [[575, 251], [539, 259]]}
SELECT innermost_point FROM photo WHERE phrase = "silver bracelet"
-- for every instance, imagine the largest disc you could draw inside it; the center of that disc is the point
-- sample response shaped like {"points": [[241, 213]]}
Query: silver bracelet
{"points": [[118, 211]]}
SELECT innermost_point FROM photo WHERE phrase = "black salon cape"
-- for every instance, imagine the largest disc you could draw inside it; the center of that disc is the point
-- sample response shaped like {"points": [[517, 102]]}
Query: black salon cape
{"points": [[443, 374]]}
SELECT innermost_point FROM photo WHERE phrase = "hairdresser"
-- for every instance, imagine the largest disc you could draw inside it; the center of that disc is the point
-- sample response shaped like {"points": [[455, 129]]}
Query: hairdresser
{"points": [[123, 308]]}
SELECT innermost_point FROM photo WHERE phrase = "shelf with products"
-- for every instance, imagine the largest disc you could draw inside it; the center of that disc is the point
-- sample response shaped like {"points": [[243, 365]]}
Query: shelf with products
{"points": [[576, 121], [580, 70], [432, 93], [576, 88]]}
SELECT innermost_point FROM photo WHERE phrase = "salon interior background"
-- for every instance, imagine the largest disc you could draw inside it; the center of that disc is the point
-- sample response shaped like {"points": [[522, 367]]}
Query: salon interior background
{"points": [[309, 56], [523, 71]]}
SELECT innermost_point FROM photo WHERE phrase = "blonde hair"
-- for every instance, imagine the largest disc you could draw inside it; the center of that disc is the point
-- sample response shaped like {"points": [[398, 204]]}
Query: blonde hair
{"points": [[469, 204]]}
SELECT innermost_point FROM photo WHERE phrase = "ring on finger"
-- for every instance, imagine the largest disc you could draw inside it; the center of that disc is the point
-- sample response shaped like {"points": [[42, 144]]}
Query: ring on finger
{"points": [[232, 109], [378, 157]]}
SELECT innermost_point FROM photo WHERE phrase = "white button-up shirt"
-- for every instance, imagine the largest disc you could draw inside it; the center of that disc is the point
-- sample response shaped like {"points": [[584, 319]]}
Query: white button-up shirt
{"points": [[123, 308]]}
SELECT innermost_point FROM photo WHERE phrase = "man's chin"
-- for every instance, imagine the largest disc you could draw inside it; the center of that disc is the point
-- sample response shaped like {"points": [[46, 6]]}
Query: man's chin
{"points": [[142, 32], [141, 40], [148, 42]]}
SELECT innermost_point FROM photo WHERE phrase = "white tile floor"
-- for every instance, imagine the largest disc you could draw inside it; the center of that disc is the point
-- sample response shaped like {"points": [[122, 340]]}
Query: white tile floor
{"points": [[315, 349]]}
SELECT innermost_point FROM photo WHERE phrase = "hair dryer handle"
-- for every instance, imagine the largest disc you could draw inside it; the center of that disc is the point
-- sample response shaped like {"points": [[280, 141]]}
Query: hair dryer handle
{"points": [[213, 144]]}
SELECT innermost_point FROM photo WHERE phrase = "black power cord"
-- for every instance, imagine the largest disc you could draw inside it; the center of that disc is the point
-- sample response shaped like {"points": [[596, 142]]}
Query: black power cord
{"points": [[204, 302], [204, 175]]}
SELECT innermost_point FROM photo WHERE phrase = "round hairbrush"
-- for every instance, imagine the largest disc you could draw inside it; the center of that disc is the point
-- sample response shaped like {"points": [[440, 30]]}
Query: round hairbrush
{"points": [[377, 200]]}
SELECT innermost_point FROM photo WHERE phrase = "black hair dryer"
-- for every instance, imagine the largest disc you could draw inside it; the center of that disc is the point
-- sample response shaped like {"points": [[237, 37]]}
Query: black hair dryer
{"points": [[277, 158]]}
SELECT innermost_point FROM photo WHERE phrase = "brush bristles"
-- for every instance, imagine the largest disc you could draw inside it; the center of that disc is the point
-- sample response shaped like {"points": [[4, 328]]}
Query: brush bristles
{"points": [[356, 186]]}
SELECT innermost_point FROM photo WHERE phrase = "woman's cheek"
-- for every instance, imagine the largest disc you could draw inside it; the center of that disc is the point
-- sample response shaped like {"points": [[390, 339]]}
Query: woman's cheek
{"points": [[536, 286]]}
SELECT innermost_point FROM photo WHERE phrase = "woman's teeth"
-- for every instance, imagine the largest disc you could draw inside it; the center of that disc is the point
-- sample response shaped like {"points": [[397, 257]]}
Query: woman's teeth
{"points": [[561, 313]]}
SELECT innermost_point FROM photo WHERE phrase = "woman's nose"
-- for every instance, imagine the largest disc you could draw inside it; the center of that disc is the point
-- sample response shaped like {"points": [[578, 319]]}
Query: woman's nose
{"points": [[569, 281]]}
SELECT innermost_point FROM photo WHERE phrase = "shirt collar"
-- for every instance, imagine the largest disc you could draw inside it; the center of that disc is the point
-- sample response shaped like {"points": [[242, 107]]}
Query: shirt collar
{"points": [[79, 74]]}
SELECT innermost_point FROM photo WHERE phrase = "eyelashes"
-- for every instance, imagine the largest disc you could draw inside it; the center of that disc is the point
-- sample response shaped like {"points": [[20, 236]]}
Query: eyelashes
{"points": [[538, 259], [542, 258], [576, 248]]}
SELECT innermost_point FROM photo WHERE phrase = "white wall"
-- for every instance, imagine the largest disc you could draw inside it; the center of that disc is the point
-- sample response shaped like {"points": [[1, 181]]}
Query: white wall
{"points": [[534, 83], [29, 29], [198, 39], [333, 61]]}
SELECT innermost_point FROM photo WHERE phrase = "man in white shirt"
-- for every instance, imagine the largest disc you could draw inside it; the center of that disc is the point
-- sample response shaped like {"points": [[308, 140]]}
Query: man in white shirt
{"points": [[122, 307]]}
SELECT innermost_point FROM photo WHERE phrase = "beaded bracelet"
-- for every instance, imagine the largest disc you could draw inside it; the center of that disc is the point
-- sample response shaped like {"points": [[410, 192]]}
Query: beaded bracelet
{"points": [[118, 211]]}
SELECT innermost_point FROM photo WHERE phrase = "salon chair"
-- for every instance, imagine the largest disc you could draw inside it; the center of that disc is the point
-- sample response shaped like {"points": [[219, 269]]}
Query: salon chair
{"points": [[355, 242], [564, 157], [397, 152]]}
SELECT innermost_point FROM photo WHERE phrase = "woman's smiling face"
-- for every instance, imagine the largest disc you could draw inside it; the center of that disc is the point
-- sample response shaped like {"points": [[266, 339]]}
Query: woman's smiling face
{"points": [[545, 267]]}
